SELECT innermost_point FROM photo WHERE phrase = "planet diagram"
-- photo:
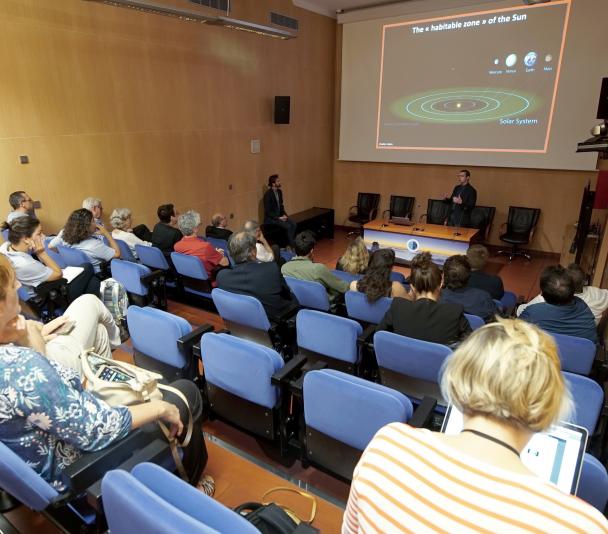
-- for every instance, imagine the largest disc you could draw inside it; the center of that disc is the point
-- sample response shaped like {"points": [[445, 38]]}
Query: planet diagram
{"points": [[463, 105]]}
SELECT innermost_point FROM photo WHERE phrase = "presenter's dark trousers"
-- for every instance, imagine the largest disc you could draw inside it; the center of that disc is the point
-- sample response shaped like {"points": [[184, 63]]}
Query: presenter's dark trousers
{"points": [[290, 228]]}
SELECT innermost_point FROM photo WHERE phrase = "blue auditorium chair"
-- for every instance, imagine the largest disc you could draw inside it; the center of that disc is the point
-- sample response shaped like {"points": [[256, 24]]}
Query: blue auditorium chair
{"points": [[593, 484], [244, 384], [126, 253], [54, 255], [359, 308], [163, 342], [475, 321], [329, 338], [144, 286], [152, 257], [576, 353], [72, 256], [342, 413], [193, 275], [347, 277], [246, 318], [398, 277], [588, 397], [310, 294], [152, 500], [5, 234], [508, 300], [409, 365], [221, 244], [287, 255]]}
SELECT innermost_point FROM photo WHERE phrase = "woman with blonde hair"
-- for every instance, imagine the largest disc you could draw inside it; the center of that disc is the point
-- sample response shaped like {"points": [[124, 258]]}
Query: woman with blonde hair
{"points": [[355, 258], [506, 379]]}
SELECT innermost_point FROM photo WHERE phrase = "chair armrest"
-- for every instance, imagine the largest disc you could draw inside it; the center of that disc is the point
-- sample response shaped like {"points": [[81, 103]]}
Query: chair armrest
{"points": [[286, 372], [503, 228], [384, 212], [188, 341], [149, 278], [92, 466], [297, 386], [350, 210], [373, 213], [367, 335], [45, 288], [424, 412]]}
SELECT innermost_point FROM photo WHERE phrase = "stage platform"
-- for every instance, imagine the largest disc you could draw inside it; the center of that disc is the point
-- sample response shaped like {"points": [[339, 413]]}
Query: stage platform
{"points": [[407, 241]]}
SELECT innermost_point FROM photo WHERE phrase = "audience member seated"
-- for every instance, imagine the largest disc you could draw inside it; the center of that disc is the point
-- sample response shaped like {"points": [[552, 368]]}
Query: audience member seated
{"points": [[355, 259], [78, 233], [478, 257], [506, 380], [561, 312], [22, 204], [264, 252], [212, 259], [456, 273], [594, 297], [217, 228], [49, 420], [121, 221], [376, 283], [24, 238], [303, 267], [260, 280], [165, 234], [424, 317], [95, 207]]}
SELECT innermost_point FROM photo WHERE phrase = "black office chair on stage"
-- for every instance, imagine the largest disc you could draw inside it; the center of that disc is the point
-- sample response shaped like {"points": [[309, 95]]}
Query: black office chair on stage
{"points": [[482, 218], [518, 230], [365, 210], [437, 211], [400, 207]]}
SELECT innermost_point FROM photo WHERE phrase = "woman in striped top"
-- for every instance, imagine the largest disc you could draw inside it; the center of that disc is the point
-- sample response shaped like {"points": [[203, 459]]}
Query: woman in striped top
{"points": [[506, 379]]}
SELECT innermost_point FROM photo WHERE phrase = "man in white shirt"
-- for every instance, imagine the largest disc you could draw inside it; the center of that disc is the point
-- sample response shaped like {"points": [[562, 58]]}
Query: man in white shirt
{"points": [[265, 253], [595, 297]]}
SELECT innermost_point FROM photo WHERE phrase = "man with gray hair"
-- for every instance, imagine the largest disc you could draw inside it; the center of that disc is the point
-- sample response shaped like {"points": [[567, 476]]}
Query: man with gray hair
{"points": [[264, 252], [217, 228], [94, 206], [22, 204], [260, 280], [212, 259]]}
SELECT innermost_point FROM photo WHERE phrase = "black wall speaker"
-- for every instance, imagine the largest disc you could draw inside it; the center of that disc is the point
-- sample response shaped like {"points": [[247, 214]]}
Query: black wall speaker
{"points": [[602, 107], [281, 109]]}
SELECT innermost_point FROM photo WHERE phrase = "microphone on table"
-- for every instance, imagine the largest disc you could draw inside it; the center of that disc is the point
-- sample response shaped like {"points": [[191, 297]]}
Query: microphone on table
{"points": [[456, 233]]}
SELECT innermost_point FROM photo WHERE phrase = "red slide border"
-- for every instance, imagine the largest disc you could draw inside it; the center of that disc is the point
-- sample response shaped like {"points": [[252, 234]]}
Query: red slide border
{"points": [[473, 14]]}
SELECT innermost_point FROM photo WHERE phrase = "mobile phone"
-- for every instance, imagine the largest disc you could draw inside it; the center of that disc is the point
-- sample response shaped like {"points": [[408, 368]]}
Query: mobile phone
{"points": [[64, 329], [112, 374]]}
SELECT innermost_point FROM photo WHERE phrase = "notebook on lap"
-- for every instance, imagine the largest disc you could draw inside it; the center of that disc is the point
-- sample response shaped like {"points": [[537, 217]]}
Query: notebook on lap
{"points": [[555, 455]]}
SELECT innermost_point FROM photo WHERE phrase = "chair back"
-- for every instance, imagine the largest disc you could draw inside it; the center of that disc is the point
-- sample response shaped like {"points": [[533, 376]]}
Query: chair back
{"points": [[347, 277], [410, 365], [328, 335], [508, 300], [522, 220], [593, 484], [482, 218], [475, 321], [55, 255], [152, 257], [72, 256], [310, 294], [241, 367], [189, 266], [396, 276], [22, 482], [221, 244], [401, 206], [437, 211], [367, 203], [588, 397], [576, 353], [125, 251], [189, 500], [287, 255], [5, 234], [130, 506], [154, 333], [358, 307], [129, 274], [351, 409]]}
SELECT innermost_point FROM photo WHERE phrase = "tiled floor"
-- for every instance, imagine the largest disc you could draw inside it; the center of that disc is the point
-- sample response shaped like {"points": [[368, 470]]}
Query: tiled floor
{"points": [[518, 276]]}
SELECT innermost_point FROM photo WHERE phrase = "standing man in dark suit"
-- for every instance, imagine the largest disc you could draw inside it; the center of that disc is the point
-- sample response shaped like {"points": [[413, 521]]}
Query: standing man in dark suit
{"points": [[274, 211], [463, 200], [260, 280]]}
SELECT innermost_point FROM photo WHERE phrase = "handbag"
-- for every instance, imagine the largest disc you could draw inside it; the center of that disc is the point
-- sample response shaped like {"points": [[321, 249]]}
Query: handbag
{"points": [[273, 518], [123, 384]]}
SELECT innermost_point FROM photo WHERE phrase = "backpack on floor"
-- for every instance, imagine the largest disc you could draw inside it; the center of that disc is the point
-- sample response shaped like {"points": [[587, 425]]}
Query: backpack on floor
{"points": [[114, 296]]}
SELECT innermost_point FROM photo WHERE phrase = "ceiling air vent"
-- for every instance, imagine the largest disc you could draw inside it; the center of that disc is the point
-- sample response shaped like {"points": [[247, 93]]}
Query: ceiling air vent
{"points": [[222, 5], [282, 20]]}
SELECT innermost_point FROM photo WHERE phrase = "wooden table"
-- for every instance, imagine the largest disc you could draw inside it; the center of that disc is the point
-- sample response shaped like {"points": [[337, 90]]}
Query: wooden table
{"points": [[407, 241]]}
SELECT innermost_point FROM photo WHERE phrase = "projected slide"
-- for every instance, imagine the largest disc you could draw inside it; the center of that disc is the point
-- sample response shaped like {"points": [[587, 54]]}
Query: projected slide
{"points": [[483, 81]]}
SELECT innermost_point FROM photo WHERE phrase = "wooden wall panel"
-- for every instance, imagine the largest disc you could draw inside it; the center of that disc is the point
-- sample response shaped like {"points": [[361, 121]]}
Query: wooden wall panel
{"points": [[140, 109]]}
